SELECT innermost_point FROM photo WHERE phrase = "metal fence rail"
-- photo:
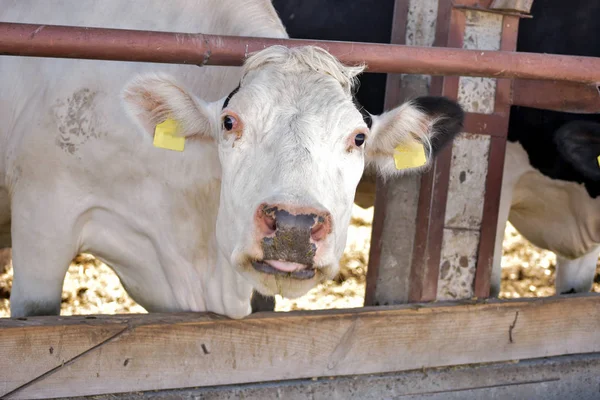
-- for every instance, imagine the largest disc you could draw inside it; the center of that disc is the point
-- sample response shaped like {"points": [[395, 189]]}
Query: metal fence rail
{"points": [[200, 49]]}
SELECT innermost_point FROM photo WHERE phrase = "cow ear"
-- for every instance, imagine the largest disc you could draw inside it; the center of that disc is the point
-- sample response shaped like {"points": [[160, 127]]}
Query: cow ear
{"points": [[407, 138], [152, 99], [578, 143]]}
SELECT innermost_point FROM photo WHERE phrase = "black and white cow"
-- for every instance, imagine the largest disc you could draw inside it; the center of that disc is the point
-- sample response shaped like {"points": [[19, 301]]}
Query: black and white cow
{"points": [[551, 174]]}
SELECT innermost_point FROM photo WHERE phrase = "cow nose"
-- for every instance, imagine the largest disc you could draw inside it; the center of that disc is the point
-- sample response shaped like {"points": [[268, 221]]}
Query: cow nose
{"points": [[276, 218]]}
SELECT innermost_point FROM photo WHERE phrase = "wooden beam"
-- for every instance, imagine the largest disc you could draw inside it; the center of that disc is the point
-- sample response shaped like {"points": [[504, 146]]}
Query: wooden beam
{"points": [[157, 352], [46, 351], [555, 378]]}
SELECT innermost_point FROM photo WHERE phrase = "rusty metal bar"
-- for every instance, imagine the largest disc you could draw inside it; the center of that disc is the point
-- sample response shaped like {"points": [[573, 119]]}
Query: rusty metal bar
{"points": [[562, 96], [495, 170], [493, 11], [433, 189], [200, 49], [522, 6], [393, 97]]}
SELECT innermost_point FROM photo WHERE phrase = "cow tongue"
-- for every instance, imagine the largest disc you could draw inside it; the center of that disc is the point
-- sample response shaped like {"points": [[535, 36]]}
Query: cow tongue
{"points": [[285, 266]]}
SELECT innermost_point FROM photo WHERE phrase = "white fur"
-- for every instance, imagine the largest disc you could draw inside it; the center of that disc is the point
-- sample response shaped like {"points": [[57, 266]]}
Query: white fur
{"points": [[81, 174], [403, 124], [166, 99], [298, 60]]}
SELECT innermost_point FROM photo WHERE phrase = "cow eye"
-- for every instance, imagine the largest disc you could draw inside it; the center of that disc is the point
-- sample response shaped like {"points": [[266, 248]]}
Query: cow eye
{"points": [[359, 139], [229, 122]]}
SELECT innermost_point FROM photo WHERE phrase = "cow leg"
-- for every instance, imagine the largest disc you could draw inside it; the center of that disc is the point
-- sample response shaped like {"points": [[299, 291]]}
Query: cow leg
{"points": [[576, 276], [503, 212], [42, 253], [39, 272]]}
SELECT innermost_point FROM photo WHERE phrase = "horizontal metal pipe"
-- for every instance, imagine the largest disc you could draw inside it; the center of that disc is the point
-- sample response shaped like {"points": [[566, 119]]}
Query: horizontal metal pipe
{"points": [[579, 98], [201, 49]]}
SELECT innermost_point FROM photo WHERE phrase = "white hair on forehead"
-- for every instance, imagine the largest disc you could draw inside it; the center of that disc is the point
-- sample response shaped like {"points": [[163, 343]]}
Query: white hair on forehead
{"points": [[306, 58]]}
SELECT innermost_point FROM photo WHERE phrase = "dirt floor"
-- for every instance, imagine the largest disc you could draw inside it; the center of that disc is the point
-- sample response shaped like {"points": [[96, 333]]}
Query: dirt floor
{"points": [[92, 288]]}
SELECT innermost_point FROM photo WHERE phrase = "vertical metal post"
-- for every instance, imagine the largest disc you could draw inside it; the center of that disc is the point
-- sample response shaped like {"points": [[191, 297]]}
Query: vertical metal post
{"points": [[397, 200], [446, 251]]}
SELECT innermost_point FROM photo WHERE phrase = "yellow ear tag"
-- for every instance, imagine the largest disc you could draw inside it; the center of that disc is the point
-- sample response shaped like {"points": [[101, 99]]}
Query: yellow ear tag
{"points": [[165, 136], [410, 155], [599, 161]]}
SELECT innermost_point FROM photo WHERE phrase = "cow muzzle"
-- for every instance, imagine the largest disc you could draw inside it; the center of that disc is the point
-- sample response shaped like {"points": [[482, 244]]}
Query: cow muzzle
{"points": [[290, 238]]}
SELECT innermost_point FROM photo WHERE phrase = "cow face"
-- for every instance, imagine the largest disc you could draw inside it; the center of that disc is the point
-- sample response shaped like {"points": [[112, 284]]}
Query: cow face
{"points": [[292, 146]]}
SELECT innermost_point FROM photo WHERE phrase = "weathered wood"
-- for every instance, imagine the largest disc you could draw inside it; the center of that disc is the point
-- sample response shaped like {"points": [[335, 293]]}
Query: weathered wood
{"points": [[556, 378], [154, 352], [26, 355]]}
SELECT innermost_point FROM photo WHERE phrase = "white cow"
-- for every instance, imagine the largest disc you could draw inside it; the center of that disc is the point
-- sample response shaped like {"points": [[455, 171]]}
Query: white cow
{"points": [[260, 198]]}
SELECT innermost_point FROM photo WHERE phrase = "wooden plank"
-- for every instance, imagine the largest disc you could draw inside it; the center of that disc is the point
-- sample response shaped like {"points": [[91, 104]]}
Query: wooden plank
{"points": [[174, 351], [555, 378], [48, 351]]}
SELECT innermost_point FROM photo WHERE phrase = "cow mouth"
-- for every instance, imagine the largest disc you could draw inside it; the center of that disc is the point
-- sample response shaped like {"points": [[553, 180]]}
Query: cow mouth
{"points": [[285, 268]]}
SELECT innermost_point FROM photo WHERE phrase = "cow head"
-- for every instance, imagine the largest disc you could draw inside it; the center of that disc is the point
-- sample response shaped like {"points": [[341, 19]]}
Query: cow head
{"points": [[292, 146]]}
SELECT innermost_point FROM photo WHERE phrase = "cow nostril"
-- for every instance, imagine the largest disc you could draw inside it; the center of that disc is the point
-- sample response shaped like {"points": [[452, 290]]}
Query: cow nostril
{"points": [[299, 221], [318, 231], [271, 223], [265, 219]]}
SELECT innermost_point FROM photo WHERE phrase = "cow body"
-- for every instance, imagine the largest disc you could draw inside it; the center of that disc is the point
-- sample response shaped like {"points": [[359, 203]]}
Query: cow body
{"points": [[259, 199], [76, 180], [551, 184]]}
